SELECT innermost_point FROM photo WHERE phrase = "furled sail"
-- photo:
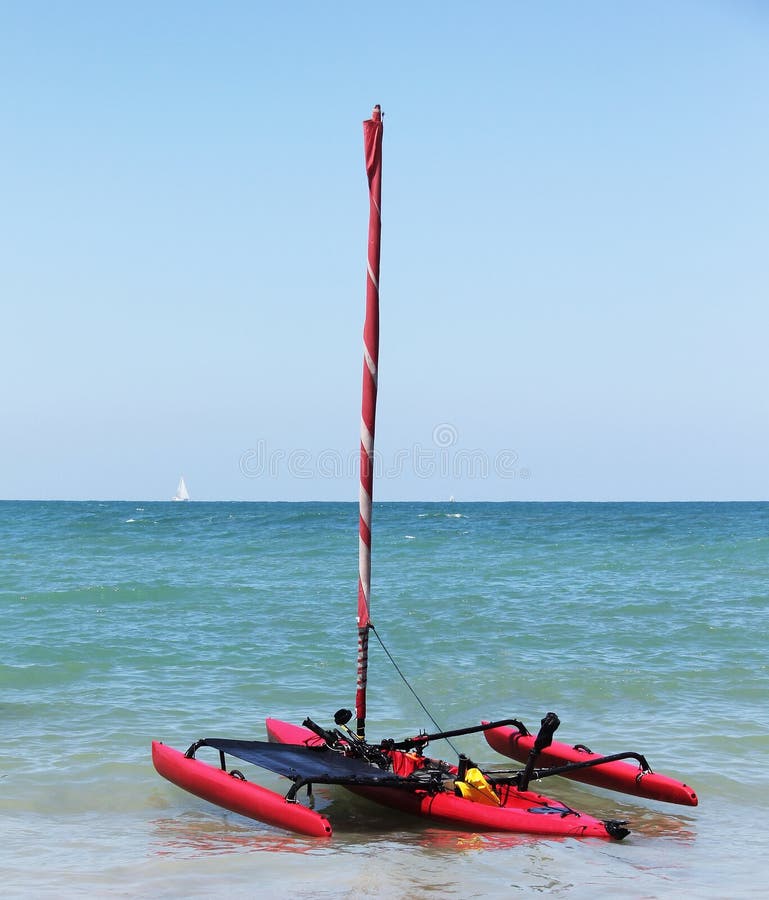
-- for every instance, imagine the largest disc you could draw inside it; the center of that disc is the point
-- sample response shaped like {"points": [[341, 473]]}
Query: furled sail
{"points": [[372, 141]]}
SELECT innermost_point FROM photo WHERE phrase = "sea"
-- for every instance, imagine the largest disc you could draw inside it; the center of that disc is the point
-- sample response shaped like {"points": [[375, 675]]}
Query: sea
{"points": [[643, 626]]}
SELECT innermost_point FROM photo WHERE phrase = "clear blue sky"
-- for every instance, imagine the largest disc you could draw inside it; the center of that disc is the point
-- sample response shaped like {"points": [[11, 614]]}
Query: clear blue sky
{"points": [[575, 262]]}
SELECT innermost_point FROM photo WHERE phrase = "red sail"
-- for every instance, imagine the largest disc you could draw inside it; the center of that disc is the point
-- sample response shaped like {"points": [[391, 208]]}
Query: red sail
{"points": [[372, 141]]}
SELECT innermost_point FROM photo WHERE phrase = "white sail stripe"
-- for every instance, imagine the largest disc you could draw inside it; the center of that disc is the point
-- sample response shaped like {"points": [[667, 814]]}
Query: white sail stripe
{"points": [[367, 439], [365, 513], [371, 276], [364, 568], [365, 506], [370, 364]]}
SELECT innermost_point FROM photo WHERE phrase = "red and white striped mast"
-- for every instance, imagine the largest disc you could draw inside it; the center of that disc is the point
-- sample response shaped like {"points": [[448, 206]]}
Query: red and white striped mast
{"points": [[372, 143]]}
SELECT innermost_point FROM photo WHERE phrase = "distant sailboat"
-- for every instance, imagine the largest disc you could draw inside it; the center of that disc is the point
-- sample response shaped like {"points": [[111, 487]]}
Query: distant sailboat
{"points": [[181, 492]]}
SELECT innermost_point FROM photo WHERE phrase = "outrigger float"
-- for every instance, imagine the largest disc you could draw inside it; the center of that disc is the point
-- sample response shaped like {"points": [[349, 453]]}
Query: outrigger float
{"points": [[397, 773]]}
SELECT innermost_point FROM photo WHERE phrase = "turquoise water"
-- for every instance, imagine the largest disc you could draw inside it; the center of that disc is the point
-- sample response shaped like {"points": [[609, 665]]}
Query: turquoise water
{"points": [[644, 626]]}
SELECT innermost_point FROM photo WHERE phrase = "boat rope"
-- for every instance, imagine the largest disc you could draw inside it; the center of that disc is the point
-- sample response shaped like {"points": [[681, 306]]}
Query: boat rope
{"points": [[408, 685]]}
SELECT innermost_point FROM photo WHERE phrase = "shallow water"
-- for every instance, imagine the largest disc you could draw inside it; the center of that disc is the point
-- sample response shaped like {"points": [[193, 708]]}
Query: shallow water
{"points": [[643, 625]]}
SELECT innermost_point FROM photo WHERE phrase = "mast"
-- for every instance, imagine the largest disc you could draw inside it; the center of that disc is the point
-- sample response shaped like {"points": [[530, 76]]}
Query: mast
{"points": [[372, 144]]}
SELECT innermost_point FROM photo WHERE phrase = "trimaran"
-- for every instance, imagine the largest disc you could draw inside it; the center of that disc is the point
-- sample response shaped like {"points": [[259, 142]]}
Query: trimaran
{"points": [[398, 773]]}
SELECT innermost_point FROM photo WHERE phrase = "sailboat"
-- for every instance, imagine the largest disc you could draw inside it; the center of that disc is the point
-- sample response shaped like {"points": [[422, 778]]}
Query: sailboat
{"points": [[181, 491], [398, 773]]}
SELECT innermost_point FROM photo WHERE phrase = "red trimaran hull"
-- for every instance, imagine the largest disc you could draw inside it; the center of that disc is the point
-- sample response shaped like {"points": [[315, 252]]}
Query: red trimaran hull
{"points": [[522, 812], [239, 796], [616, 776]]}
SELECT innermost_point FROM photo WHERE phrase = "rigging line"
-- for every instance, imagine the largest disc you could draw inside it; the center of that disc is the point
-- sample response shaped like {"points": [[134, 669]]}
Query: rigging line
{"points": [[406, 682]]}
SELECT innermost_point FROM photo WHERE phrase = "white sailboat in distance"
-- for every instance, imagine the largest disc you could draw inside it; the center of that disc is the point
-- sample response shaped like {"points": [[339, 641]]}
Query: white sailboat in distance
{"points": [[181, 492]]}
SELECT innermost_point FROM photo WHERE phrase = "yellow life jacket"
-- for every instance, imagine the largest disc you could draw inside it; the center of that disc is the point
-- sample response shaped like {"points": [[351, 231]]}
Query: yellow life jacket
{"points": [[476, 787]]}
